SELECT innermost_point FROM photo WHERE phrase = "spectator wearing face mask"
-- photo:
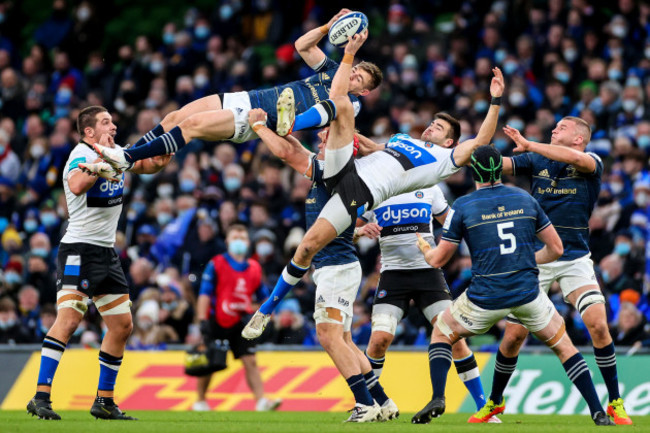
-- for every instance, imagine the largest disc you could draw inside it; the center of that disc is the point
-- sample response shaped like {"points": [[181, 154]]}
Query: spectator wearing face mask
{"points": [[288, 323], [267, 255], [12, 330], [175, 311], [9, 161], [611, 271], [29, 311], [148, 332], [630, 326]]}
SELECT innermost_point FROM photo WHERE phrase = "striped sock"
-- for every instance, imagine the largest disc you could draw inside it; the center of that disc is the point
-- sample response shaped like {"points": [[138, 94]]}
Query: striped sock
{"points": [[377, 364], [503, 369], [167, 143], [358, 387], [376, 390], [606, 361], [467, 370], [316, 116], [109, 366], [51, 354], [439, 364], [157, 131], [578, 372], [291, 274]]}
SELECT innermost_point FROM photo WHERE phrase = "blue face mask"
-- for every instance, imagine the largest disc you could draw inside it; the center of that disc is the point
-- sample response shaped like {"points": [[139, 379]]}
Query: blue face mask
{"points": [[187, 185], [237, 247], [168, 38], [163, 218], [232, 184], [510, 67], [404, 128], [606, 277], [202, 32], [501, 144], [644, 141], [562, 76], [13, 278], [41, 252], [517, 124], [49, 219], [466, 274], [30, 226], [481, 106], [622, 249]]}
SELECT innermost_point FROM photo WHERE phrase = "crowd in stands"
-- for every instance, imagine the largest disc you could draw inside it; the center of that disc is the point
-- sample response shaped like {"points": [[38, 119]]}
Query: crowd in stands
{"points": [[562, 57]]}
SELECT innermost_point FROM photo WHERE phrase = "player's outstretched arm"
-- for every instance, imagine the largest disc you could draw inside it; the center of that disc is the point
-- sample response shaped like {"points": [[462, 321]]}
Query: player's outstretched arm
{"points": [[552, 249], [307, 44], [463, 152], [580, 160], [439, 256], [341, 80], [286, 148], [368, 146]]}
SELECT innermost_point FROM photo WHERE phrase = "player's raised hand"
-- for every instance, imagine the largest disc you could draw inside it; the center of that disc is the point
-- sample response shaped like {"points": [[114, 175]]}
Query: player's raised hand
{"points": [[370, 230], [107, 140], [498, 83], [257, 116], [355, 42], [337, 16], [514, 134], [422, 244]]}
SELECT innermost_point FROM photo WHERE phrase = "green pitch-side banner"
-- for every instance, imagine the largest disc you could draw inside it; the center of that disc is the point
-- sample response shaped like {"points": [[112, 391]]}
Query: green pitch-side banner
{"points": [[540, 386]]}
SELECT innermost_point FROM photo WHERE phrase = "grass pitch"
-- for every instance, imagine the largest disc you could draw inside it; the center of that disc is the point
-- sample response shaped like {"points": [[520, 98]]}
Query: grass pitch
{"points": [[286, 422]]}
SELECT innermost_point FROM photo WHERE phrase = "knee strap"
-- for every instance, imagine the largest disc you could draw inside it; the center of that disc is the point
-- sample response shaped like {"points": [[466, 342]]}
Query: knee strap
{"points": [[71, 299], [555, 340], [110, 305], [587, 299]]}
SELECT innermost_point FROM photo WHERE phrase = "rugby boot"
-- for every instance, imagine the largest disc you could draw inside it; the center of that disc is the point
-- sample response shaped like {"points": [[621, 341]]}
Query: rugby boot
{"points": [[114, 156], [601, 418], [42, 409], [364, 413], [488, 411], [433, 409], [256, 325], [286, 108], [101, 169], [105, 411], [616, 410], [389, 411]]}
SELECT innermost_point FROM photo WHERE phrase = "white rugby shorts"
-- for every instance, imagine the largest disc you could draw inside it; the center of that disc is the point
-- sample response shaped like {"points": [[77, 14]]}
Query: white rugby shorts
{"points": [[337, 287], [239, 103]]}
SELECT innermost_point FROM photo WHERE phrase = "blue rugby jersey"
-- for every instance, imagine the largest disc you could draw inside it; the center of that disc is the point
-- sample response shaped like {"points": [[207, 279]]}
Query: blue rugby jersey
{"points": [[341, 250], [499, 225], [566, 195], [307, 92]]}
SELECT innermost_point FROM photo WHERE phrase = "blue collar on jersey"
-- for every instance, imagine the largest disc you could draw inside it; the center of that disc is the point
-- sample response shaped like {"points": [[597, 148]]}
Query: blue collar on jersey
{"points": [[237, 266]]}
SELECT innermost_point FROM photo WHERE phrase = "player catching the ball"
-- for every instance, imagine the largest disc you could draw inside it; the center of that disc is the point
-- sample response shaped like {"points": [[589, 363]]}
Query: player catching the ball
{"points": [[225, 116]]}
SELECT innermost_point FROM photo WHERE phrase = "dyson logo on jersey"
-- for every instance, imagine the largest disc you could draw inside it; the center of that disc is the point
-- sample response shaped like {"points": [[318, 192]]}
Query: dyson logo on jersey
{"points": [[111, 187], [403, 214]]}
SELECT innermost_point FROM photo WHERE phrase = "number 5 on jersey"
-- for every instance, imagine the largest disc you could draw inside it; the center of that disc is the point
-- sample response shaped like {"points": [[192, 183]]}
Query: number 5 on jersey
{"points": [[507, 238]]}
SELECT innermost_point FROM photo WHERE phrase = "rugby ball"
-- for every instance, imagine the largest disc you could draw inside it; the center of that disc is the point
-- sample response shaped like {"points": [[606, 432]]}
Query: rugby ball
{"points": [[348, 25]]}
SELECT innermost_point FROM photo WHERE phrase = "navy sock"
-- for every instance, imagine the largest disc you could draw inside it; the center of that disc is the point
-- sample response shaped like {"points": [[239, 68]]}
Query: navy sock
{"points": [[42, 395], [291, 274], [157, 131], [377, 364], [109, 366], [578, 372], [51, 354], [358, 386], [467, 370], [318, 115], [167, 143], [439, 364], [107, 401], [606, 361], [374, 387], [503, 369]]}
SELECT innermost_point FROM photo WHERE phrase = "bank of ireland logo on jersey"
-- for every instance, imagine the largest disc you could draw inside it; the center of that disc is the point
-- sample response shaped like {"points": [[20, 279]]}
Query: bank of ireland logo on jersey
{"points": [[419, 194]]}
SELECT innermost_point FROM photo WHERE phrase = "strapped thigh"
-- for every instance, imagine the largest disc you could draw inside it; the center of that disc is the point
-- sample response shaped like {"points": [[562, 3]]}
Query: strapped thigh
{"points": [[67, 298], [111, 305]]}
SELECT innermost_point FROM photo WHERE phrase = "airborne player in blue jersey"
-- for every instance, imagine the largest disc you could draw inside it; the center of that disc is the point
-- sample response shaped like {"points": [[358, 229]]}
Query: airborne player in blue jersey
{"points": [[565, 180], [500, 225], [225, 116]]}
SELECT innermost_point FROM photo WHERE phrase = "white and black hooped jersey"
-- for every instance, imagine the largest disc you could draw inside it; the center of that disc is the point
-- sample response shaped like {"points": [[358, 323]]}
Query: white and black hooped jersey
{"points": [[93, 215], [407, 164], [401, 217]]}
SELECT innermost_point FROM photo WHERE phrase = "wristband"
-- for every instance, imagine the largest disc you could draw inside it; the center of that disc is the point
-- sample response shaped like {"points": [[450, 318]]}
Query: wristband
{"points": [[324, 29], [348, 58], [257, 125], [495, 100]]}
